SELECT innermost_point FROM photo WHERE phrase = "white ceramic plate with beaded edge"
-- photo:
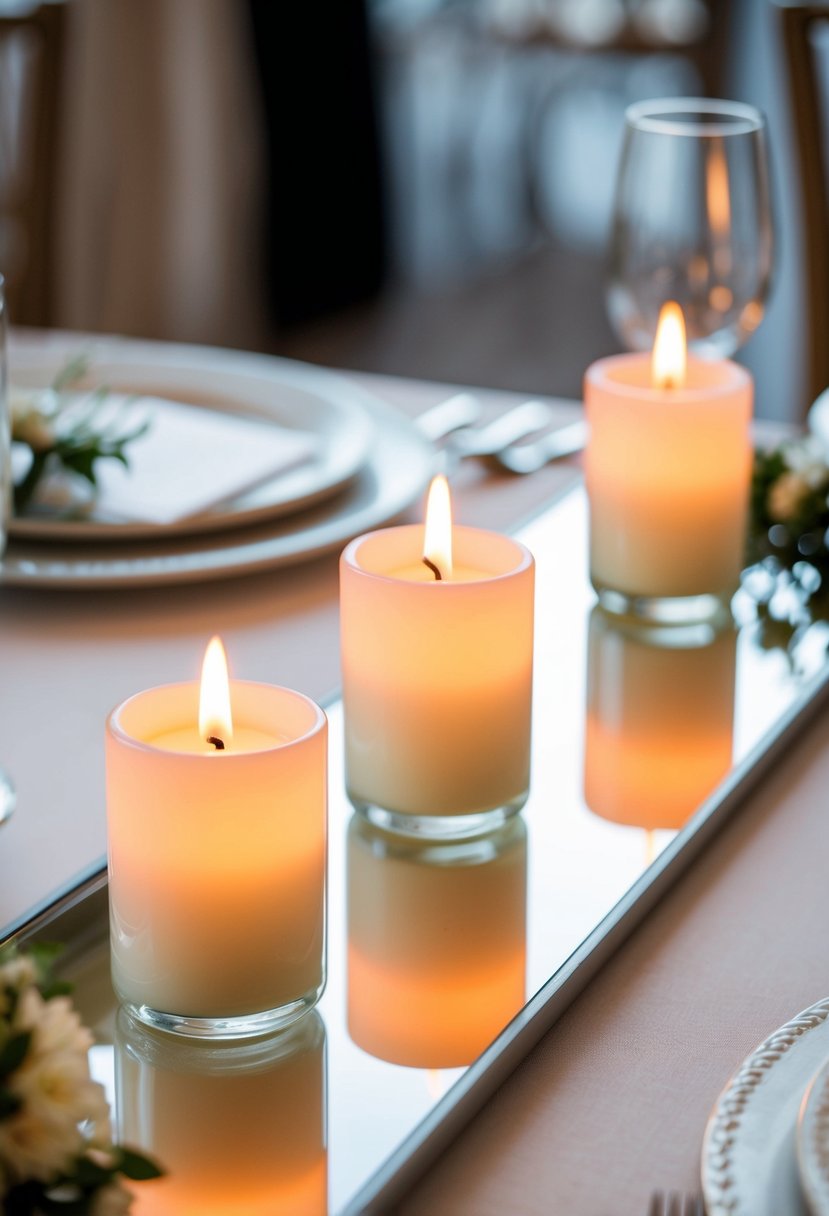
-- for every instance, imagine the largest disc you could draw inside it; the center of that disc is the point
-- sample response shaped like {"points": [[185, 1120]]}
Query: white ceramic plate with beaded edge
{"points": [[297, 396], [749, 1161], [813, 1144]]}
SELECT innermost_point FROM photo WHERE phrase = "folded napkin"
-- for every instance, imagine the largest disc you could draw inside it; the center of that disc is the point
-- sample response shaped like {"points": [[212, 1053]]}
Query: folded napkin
{"points": [[189, 461]]}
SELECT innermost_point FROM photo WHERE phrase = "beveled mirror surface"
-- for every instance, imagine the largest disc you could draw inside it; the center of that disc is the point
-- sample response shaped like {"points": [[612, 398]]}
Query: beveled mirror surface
{"points": [[432, 948]]}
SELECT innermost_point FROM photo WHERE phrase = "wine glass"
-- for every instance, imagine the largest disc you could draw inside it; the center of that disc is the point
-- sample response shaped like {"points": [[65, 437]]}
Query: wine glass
{"points": [[691, 223], [7, 796]]}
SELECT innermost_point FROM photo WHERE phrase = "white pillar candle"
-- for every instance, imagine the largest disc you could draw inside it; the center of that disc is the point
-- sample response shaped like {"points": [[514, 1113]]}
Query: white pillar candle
{"points": [[238, 1128], [660, 719], [668, 469], [436, 943], [217, 858], [437, 678]]}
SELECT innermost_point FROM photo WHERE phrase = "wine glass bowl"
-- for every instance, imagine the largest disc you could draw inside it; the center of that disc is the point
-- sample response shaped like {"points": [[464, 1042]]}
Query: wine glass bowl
{"points": [[691, 223]]}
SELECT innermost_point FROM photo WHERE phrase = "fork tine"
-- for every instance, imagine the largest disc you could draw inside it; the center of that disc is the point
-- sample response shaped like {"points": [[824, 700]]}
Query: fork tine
{"points": [[673, 1203]]}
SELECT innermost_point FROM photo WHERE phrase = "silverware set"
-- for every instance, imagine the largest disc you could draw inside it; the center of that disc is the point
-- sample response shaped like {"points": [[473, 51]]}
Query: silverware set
{"points": [[521, 441]]}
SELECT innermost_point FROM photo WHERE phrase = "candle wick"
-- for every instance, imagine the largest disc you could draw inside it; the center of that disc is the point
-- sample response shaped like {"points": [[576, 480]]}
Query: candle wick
{"points": [[218, 743], [433, 568]]}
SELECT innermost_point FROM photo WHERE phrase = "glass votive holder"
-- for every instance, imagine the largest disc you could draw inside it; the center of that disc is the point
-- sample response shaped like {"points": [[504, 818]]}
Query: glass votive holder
{"points": [[668, 473], [236, 1127], [217, 861], [437, 681], [436, 943]]}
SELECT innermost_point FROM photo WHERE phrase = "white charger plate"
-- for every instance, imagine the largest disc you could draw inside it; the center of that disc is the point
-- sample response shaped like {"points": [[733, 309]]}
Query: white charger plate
{"points": [[813, 1143], [749, 1162], [297, 396], [399, 464]]}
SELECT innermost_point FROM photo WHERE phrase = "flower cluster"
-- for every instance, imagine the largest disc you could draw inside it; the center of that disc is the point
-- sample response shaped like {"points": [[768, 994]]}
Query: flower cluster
{"points": [[56, 1154], [790, 501], [61, 432], [788, 552]]}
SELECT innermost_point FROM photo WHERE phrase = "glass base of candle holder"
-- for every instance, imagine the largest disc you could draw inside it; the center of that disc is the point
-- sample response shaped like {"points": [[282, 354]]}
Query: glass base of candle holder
{"points": [[240, 1026], [439, 827], [664, 610]]}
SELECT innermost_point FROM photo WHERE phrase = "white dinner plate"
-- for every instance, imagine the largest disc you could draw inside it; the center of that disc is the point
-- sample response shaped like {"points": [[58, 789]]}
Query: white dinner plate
{"points": [[813, 1144], [749, 1162], [398, 468], [299, 397]]}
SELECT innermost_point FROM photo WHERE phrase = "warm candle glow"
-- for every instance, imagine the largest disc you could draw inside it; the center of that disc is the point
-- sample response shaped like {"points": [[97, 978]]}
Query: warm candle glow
{"points": [[669, 348], [437, 539], [215, 719]]}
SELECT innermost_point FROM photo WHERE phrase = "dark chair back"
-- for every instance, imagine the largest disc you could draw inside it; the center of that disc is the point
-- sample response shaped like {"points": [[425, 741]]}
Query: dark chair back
{"points": [[30, 81], [806, 42]]}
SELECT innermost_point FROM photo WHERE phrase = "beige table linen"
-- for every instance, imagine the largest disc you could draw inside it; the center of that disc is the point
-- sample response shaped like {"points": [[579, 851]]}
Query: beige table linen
{"points": [[613, 1101]]}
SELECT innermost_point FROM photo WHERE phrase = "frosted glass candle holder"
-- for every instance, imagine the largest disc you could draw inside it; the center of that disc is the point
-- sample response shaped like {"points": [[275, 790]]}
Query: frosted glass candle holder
{"points": [[668, 473], [437, 681], [217, 861]]}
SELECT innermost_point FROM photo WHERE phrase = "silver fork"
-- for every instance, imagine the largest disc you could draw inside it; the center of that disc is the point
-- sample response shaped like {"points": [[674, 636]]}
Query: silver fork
{"points": [[530, 457], [502, 441], [672, 1203]]}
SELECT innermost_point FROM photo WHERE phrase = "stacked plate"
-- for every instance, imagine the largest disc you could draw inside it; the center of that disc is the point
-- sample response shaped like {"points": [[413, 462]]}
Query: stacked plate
{"points": [[766, 1148], [295, 461]]}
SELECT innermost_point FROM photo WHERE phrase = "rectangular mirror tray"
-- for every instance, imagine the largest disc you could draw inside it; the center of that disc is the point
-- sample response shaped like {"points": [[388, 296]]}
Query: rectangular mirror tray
{"points": [[446, 962]]}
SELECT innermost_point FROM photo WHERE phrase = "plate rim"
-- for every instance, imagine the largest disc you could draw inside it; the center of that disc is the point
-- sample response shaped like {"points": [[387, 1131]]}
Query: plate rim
{"points": [[814, 1172], [342, 459], [719, 1184], [254, 548]]}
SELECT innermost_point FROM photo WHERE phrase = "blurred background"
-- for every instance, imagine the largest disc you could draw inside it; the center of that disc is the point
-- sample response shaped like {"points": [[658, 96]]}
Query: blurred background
{"points": [[420, 187]]}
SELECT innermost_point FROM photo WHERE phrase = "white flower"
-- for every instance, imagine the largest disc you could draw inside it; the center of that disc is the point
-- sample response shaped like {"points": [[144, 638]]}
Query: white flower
{"points": [[34, 428], [18, 973], [15, 975], [55, 1086], [807, 458], [54, 1024], [33, 1147], [112, 1200], [786, 496]]}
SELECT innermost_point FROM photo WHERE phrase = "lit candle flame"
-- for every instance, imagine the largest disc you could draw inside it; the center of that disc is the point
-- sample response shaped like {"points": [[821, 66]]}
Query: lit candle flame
{"points": [[668, 362], [215, 719], [437, 540]]}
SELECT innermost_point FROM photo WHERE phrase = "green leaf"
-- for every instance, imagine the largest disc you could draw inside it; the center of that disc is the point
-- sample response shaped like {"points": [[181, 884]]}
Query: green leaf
{"points": [[70, 373], [87, 1173], [44, 955], [136, 1166], [24, 489], [56, 988], [14, 1052]]}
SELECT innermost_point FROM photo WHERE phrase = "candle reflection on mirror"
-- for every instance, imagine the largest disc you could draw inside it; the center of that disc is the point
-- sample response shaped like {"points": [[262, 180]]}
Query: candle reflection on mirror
{"points": [[239, 1128], [436, 943], [660, 718]]}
